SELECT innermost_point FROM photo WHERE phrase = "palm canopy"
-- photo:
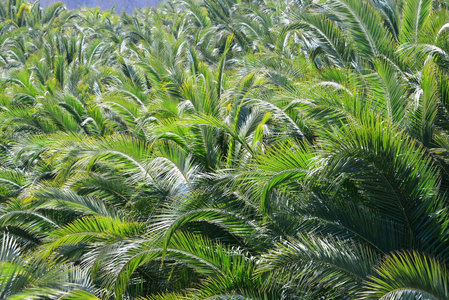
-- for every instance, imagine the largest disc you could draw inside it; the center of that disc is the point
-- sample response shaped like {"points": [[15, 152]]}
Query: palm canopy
{"points": [[225, 150]]}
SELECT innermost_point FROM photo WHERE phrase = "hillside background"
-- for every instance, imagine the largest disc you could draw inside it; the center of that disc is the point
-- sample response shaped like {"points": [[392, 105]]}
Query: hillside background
{"points": [[128, 5]]}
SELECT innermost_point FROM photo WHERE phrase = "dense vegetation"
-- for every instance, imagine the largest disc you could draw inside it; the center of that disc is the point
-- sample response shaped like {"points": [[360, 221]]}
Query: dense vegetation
{"points": [[225, 149]]}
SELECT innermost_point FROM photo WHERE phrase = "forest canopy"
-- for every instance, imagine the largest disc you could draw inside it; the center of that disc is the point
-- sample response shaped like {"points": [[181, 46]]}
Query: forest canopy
{"points": [[225, 149]]}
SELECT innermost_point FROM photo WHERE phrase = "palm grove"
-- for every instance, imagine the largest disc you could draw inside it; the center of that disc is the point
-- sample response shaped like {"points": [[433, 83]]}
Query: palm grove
{"points": [[225, 149]]}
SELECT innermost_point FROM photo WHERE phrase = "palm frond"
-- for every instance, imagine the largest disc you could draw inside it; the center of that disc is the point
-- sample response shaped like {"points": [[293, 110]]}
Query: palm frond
{"points": [[320, 263], [414, 16], [408, 275]]}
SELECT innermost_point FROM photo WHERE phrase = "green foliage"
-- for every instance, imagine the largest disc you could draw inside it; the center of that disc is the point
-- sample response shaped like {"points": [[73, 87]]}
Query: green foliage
{"points": [[225, 150]]}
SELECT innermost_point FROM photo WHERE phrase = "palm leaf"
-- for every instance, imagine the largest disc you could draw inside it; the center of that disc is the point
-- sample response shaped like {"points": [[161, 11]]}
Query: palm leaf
{"points": [[408, 275], [335, 267], [414, 16], [385, 156], [365, 25]]}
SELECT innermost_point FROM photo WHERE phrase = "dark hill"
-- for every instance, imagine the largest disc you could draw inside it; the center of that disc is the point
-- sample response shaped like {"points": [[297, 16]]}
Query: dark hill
{"points": [[128, 5]]}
